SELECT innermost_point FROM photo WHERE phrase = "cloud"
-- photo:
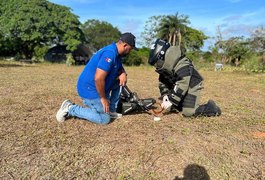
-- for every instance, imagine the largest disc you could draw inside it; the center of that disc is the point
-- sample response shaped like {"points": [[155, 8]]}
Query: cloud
{"points": [[233, 18], [237, 30]]}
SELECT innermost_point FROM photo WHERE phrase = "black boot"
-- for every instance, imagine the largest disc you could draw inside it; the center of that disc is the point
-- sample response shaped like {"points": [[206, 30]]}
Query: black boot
{"points": [[209, 109]]}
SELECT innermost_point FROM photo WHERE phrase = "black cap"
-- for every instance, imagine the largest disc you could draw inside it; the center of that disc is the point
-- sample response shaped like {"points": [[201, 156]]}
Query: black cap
{"points": [[129, 38]]}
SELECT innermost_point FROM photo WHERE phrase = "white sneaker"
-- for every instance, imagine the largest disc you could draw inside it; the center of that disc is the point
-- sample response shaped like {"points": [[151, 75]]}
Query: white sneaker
{"points": [[115, 115], [63, 111]]}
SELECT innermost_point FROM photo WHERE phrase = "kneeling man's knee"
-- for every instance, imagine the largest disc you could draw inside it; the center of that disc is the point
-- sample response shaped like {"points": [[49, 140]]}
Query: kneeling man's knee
{"points": [[188, 112]]}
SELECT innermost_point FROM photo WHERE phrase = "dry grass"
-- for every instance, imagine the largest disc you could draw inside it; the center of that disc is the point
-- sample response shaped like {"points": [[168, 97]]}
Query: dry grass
{"points": [[34, 146]]}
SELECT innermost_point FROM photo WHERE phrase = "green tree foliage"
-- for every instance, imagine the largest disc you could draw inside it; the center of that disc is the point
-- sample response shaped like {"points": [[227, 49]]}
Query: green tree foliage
{"points": [[29, 24], [235, 49], [99, 33], [143, 53], [1, 33], [174, 29], [254, 64], [258, 44], [193, 40], [150, 30], [258, 39], [208, 56], [39, 53], [213, 55], [133, 59]]}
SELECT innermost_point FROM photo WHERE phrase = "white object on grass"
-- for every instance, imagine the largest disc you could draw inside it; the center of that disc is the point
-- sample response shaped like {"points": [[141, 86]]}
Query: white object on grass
{"points": [[218, 66], [156, 118]]}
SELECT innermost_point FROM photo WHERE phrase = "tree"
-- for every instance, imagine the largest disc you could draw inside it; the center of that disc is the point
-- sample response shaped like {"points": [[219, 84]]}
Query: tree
{"points": [[258, 39], [133, 59], [193, 39], [174, 29], [258, 43], [36, 23], [99, 33], [143, 53], [150, 30], [235, 49]]}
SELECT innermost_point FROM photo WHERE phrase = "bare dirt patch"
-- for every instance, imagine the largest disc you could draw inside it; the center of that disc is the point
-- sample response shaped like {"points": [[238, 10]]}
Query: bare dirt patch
{"points": [[33, 145]]}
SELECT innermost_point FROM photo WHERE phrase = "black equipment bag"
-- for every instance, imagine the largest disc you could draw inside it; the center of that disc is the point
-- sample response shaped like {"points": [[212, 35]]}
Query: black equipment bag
{"points": [[129, 102]]}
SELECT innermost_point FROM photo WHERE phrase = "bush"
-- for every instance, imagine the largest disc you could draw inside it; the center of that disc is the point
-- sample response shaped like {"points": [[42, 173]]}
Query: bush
{"points": [[254, 64], [208, 57], [144, 55], [69, 59], [18, 56], [194, 56], [133, 59], [39, 53]]}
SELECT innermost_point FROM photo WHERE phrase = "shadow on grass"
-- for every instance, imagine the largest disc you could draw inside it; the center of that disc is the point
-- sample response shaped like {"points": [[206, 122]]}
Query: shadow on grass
{"points": [[194, 172], [10, 65], [15, 64]]}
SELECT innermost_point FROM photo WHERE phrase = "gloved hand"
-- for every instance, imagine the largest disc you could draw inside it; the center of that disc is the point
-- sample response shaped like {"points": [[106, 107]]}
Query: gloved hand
{"points": [[166, 104]]}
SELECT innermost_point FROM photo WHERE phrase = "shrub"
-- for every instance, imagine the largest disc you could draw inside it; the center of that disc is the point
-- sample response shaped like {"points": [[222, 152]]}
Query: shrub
{"points": [[133, 59], [254, 64], [39, 53], [69, 59]]}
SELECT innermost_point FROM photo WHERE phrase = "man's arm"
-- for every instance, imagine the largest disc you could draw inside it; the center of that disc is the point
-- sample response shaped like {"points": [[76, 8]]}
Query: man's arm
{"points": [[183, 72], [122, 76], [100, 77], [162, 86]]}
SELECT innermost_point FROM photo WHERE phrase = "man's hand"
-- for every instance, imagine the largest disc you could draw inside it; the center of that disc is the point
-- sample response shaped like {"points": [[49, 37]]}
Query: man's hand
{"points": [[105, 104], [123, 79], [166, 104]]}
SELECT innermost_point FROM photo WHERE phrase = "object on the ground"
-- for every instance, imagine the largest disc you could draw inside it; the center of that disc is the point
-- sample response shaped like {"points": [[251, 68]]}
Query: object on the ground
{"points": [[156, 118], [218, 66], [129, 102]]}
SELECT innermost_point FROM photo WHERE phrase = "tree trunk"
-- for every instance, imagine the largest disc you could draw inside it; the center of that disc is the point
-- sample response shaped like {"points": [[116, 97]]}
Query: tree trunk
{"points": [[170, 37], [237, 62], [179, 38], [174, 39], [263, 62], [263, 58]]}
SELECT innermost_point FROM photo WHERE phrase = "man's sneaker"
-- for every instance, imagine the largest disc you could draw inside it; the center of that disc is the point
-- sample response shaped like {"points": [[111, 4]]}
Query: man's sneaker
{"points": [[63, 111], [114, 115]]}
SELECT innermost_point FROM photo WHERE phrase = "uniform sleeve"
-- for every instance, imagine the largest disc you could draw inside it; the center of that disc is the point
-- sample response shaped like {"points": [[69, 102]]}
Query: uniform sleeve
{"points": [[106, 60], [183, 72], [163, 88]]}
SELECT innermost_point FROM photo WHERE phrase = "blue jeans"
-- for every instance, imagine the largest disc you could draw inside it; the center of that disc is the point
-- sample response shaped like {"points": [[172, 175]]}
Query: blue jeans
{"points": [[94, 111]]}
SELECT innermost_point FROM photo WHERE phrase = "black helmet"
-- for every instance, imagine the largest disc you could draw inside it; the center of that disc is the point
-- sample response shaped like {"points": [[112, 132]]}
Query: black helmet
{"points": [[158, 51]]}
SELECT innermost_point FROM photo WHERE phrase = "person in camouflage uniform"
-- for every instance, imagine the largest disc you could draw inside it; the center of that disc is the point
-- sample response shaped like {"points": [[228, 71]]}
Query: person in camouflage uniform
{"points": [[180, 84]]}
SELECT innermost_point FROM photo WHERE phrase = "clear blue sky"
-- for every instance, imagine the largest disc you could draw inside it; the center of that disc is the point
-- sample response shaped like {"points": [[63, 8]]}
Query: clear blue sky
{"points": [[234, 17]]}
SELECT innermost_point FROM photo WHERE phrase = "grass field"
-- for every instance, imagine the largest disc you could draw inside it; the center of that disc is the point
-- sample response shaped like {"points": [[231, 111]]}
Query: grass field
{"points": [[33, 145]]}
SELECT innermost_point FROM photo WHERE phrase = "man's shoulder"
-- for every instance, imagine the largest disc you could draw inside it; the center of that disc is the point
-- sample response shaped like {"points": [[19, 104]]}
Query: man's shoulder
{"points": [[110, 51], [110, 48], [184, 61]]}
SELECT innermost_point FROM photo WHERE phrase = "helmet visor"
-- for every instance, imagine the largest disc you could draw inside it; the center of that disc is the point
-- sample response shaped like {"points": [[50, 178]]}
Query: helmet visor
{"points": [[154, 55], [157, 53]]}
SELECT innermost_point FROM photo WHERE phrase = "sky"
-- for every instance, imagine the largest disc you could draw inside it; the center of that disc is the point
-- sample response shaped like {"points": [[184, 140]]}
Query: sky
{"points": [[231, 17]]}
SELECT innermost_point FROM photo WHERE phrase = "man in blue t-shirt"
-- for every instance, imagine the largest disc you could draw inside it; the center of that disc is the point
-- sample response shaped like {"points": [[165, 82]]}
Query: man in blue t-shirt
{"points": [[99, 85]]}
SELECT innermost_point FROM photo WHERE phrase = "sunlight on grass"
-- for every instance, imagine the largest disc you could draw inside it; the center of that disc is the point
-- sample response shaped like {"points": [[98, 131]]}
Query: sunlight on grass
{"points": [[36, 146]]}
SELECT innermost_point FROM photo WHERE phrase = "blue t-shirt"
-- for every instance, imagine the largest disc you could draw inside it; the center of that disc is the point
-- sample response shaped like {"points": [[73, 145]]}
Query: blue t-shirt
{"points": [[106, 59]]}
